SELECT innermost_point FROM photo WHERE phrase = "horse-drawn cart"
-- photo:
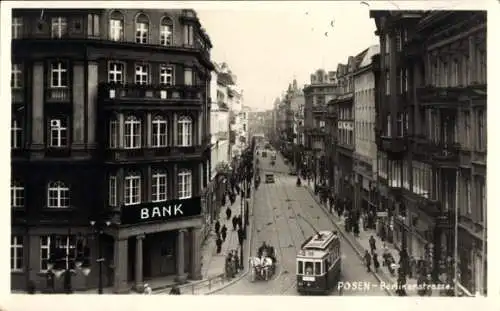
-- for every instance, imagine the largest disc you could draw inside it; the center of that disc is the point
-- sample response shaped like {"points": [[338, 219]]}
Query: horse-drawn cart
{"points": [[263, 266]]}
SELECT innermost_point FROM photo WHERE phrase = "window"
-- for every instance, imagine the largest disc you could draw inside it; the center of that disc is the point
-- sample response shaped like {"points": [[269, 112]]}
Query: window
{"points": [[435, 71], [188, 35], [166, 75], [398, 41], [481, 130], [467, 191], [59, 75], [467, 129], [57, 195], [159, 185], [65, 243], [159, 131], [141, 74], [132, 133], [17, 27], [482, 67], [387, 44], [166, 31], [141, 29], [116, 26], [114, 133], [184, 131], [387, 84], [132, 189], [58, 133], [112, 191], [184, 182], [16, 135], [59, 27], [116, 72], [16, 195], [16, 81], [16, 253], [481, 196], [445, 75], [455, 73], [188, 76], [93, 25], [400, 125]]}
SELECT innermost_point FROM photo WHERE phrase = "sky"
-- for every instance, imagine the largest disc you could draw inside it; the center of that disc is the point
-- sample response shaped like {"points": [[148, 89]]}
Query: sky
{"points": [[267, 48]]}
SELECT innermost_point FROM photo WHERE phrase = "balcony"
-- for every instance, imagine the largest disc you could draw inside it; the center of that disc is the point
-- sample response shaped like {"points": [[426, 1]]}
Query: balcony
{"points": [[170, 96], [442, 154], [154, 154], [319, 109], [448, 96], [394, 145], [58, 95]]}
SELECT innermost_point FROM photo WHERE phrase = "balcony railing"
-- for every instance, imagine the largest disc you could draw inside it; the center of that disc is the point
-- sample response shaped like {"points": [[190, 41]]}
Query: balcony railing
{"points": [[435, 151], [57, 95], [152, 153], [158, 94], [393, 144]]}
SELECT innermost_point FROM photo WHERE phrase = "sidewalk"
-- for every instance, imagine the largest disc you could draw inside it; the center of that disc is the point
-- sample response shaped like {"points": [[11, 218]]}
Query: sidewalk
{"points": [[361, 243]]}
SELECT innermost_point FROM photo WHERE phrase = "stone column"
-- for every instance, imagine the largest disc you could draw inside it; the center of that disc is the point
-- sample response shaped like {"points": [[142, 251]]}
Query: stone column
{"points": [[78, 107], [121, 131], [181, 275], [121, 265], [174, 125], [195, 273], [92, 80], [200, 128], [149, 130], [37, 113], [138, 263]]}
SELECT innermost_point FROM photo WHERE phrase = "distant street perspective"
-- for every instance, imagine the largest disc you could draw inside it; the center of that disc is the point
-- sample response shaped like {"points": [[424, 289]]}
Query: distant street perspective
{"points": [[184, 151]]}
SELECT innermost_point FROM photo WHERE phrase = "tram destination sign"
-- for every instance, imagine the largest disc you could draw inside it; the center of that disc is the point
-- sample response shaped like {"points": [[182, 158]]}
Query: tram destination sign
{"points": [[160, 211]]}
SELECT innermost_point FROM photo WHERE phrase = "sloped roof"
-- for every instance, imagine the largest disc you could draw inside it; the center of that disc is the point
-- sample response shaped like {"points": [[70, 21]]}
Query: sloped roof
{"points": [[367, 59]]}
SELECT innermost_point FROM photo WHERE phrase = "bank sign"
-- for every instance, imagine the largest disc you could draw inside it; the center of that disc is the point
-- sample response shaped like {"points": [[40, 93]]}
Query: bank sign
{"points": [[160, 211]]}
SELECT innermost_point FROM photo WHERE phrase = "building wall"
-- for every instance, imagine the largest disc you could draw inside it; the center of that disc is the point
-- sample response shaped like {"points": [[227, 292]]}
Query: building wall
{"points": [[364, 115]]}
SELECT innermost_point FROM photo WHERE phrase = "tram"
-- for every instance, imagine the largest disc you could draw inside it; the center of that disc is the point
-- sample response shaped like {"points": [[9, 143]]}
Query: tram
{"points": [[319, 263]]}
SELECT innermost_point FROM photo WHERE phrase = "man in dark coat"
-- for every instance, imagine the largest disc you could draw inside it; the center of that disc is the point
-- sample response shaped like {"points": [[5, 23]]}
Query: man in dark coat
{"points": [[217, 227], [224, 233], [218, 243], [368, 260], [235, 222], [228, 213], [239, 221], [372, 242]]}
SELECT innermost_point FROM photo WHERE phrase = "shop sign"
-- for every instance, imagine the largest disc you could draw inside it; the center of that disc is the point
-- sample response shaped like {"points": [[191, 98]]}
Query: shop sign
{"points": [[381, 214], [160, 211]]}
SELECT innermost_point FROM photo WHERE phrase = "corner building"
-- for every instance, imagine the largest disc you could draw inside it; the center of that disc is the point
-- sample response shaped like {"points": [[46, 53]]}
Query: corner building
{"points": [[109, 125]]}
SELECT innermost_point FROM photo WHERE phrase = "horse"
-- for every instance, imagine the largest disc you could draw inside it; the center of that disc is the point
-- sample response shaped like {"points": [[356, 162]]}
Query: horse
{"points": [[260, 267]]}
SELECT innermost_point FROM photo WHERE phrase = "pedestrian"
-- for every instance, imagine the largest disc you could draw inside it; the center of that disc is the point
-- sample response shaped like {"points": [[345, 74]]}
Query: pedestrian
{"points": [[228, 213], [224, 233], [235, 222], [239, 221], [240, 236], [422, 285], [218, 243], [147, 289], [217, 227], [175, 290], [368, 260], [376, 263], [372, 242]]}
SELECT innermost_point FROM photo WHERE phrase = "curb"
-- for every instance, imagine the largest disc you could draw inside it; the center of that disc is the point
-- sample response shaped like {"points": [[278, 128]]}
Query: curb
{"points": [[249, 243], [354, 244]]}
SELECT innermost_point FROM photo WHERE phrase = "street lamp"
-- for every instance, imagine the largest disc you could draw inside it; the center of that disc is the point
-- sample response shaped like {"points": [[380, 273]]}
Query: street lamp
{"points": [[98, 230], [60, 259]]}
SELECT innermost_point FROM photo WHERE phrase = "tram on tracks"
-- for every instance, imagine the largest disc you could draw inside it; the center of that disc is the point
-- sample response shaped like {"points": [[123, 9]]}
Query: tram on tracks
{"points": [[319, 263]]}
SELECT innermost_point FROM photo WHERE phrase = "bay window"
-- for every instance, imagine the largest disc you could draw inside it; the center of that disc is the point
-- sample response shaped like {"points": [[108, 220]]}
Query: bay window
{"points": [[188, 76], [188, 35]]}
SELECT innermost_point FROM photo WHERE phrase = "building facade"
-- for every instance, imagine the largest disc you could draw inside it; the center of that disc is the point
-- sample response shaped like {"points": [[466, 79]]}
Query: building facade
{"points": [[111, 110], [431, 117], [321, 90], [365, 148]]}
